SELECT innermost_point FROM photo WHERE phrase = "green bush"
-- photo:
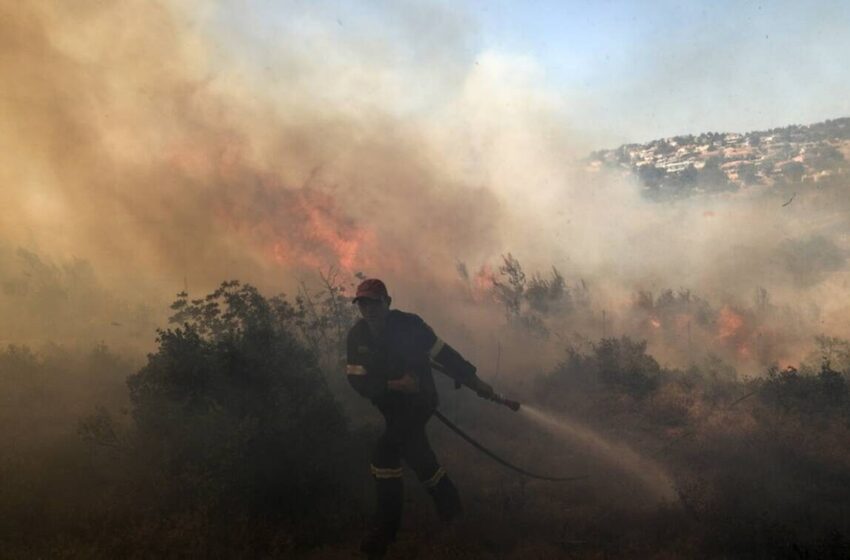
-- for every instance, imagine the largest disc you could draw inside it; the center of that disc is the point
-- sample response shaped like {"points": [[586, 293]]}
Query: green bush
{"points": [[823, 393], [623, 362], [237, 412], [611, 366]]}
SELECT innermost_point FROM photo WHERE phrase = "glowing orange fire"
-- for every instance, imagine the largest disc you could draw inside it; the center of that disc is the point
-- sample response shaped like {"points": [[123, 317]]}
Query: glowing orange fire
{"points": [[484, 279], [293, 226], [729, 323], [321, 235], [733, 330], [656, 324], [297, 227], [482, 282]]}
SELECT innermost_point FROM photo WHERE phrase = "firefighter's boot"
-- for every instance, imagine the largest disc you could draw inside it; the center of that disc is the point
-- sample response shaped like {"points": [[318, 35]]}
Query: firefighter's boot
{"points": [[447, 500], [390, 499]]}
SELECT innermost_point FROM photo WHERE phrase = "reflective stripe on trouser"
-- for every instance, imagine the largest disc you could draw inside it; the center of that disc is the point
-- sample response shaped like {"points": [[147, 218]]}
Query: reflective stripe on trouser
{"points": [[355, 369], [435, 479], [405, 439]]}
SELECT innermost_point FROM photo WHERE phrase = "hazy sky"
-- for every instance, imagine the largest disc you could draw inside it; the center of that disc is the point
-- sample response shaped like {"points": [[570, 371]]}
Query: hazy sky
{"points": [[627, 71]]}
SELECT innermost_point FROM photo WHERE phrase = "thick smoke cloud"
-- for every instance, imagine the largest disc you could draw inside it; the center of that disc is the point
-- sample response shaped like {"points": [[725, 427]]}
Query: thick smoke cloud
{"points": [[126, 146], [137, 139]]}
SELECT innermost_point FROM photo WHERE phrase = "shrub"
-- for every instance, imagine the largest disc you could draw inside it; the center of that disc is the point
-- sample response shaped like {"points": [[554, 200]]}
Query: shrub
{"points": [[612, 363], [623, 362], [236, 411], [790, 391]]}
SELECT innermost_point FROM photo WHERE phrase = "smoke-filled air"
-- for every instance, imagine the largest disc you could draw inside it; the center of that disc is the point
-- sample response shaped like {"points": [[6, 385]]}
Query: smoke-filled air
{"points": [[622, 230]]}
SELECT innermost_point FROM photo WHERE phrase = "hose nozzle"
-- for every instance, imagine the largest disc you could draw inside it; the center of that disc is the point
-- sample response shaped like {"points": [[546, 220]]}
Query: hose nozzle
{"points": [[501, 399]]}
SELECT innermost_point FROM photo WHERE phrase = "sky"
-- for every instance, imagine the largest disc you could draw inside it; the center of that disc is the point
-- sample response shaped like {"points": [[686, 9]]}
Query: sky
{"points": [[625, 71]]}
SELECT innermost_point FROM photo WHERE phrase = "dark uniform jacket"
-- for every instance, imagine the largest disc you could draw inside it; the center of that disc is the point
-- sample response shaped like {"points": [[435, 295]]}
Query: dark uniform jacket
{"points": [[407, 345]]}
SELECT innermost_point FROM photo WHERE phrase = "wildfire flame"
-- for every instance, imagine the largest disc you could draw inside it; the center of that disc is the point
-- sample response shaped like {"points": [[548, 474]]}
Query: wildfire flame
{"points": [[300, 228], [732, 329], [482, 283], [323, 235], [729, 323]]}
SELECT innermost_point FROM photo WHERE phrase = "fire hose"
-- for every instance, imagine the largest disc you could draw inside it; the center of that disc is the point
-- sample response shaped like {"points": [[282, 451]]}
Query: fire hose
{"points": [[515, 406], [498, 459]]}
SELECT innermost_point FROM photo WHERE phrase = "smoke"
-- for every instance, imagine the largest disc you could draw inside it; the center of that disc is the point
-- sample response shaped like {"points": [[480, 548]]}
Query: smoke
{"points": [[128, 146], [166, 149]]}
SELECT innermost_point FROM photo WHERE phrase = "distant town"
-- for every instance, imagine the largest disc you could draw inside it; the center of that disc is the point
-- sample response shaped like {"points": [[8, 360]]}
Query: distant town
{"points": [[796, 156]]}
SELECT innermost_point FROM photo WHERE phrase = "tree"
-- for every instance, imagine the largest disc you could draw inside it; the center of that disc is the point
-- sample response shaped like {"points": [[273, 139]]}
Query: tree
{"points": [[511, 292], [712, 177], [651, 176], [747, 174], [545, 295], [323, 317], [793, 171]]}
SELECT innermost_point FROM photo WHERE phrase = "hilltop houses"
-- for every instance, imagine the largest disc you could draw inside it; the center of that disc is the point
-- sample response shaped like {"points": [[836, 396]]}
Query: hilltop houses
{"points": [[728, 161]]}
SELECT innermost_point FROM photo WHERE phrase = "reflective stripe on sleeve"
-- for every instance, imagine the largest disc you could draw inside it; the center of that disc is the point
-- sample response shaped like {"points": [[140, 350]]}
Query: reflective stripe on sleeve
{"points": [[435, 349], [378, 472], [354, 369]]}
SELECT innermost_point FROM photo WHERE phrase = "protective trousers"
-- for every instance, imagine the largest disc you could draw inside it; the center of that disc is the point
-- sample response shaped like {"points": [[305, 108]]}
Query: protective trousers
{"points": [[405, 438]]}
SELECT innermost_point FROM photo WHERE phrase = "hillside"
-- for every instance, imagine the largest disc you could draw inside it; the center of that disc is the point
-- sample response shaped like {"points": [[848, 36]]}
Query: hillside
{"points": [[816, 155]]}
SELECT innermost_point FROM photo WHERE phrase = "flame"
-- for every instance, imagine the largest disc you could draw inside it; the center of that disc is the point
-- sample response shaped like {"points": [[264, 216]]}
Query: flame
{"points": [[485, 278], [654, 322], [322, 235], [482, 283], [342, 238], [301, 227], [298, 227], [729, 323], [733, 330]]}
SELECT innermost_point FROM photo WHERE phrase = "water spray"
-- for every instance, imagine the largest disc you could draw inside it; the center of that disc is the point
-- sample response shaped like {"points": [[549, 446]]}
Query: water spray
{"points": [[513, 405], [651, 475], [648, 472]]}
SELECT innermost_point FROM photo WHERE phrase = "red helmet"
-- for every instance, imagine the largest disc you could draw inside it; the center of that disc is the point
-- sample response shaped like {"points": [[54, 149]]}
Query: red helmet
{"points": [[371, 288]]}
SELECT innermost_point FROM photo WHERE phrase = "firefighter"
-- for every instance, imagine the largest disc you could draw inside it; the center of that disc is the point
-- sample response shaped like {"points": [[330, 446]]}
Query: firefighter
{"points": [[389, 362]]}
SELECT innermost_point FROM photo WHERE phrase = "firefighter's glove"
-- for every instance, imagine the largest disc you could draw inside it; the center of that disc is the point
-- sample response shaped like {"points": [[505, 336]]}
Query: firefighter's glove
{"points": [[407, 383], [484, 390]]}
